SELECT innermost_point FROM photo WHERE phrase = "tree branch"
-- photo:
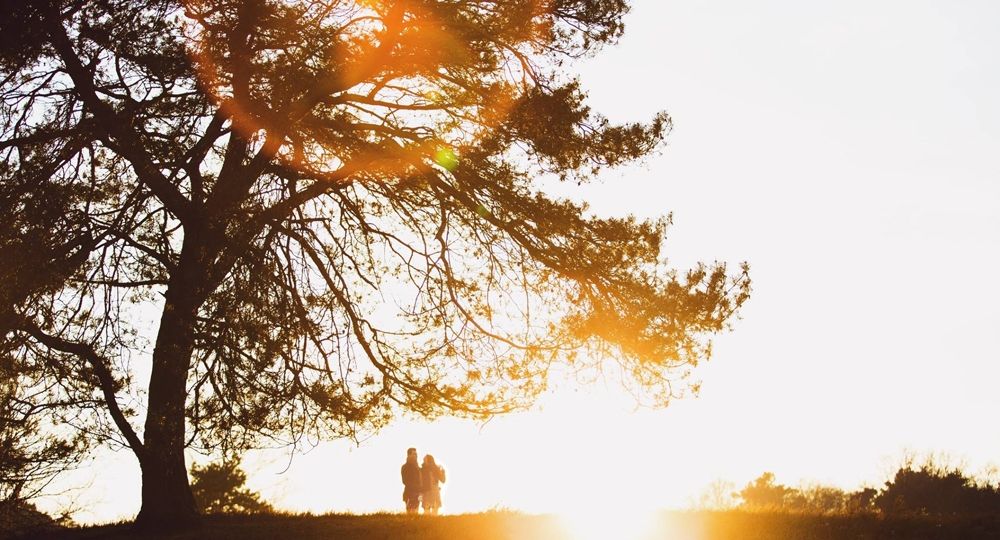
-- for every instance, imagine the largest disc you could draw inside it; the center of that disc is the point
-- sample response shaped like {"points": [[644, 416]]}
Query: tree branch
{"points": [[127, 140], [104, 377]]}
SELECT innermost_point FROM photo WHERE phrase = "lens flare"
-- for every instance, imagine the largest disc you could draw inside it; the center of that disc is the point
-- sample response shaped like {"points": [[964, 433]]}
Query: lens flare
{"points": [[412, 84], [446, 157]]}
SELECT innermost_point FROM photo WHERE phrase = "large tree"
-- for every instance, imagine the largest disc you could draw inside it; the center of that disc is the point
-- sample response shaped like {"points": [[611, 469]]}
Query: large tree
{"points": [[337, 209]]}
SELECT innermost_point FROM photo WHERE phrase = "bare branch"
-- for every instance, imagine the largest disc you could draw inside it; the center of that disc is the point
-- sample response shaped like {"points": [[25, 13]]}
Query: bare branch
{"points": [[100, 366]]}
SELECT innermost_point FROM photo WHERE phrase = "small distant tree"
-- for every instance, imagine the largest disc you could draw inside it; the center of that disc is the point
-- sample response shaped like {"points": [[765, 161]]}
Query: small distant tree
{"points": [[763, 493], [220, 488], [718, 495]]}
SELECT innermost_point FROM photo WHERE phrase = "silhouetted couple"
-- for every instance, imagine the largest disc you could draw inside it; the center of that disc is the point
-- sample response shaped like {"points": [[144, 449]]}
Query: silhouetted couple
{"points": [[421, 484]]}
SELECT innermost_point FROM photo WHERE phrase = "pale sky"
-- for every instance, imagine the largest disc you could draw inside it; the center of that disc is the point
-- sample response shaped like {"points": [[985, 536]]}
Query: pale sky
{"points": [[849, 152]]}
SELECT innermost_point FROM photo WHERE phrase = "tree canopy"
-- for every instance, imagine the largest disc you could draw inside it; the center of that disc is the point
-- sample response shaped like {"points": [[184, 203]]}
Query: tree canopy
{"points": [[337, 209]]}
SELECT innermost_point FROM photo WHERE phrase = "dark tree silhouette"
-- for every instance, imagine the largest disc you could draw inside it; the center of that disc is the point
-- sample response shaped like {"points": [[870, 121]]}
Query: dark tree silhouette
{"points": [[862, 500], [21, 519], [30, 457], [220, 488], [335, 208], [39, 251], [936, 489]]}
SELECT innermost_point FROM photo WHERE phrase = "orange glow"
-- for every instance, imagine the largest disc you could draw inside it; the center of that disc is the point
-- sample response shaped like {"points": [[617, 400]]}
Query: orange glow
{"points": [[408, 76], [603, 521]]}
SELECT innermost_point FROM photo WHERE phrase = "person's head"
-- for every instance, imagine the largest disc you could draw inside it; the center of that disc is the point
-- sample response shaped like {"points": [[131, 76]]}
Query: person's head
{"points": [[411, 454], [429, 460]]}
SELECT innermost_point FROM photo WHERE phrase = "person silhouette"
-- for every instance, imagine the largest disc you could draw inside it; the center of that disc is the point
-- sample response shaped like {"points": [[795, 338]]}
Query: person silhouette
{"points": [[410, 471], [431, 476]]}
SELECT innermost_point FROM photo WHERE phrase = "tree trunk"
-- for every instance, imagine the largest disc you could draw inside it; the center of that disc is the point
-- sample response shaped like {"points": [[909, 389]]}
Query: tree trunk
{"points": [[167, 502]]}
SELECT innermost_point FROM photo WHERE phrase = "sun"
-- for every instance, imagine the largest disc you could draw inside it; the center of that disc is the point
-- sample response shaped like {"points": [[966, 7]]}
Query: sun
{"points": [[610, 523]]}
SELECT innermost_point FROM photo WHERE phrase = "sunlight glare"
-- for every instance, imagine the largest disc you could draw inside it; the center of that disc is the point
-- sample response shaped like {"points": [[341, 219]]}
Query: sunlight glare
{"points": [[593, 523]]}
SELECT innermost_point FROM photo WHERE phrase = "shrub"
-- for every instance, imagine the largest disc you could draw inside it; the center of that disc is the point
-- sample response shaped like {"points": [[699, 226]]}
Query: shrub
{"points": [[932, 489], [219, 488]]}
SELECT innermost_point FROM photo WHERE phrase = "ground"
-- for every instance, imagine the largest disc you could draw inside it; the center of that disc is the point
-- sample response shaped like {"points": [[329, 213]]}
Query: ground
{"points": [[513, 526]]}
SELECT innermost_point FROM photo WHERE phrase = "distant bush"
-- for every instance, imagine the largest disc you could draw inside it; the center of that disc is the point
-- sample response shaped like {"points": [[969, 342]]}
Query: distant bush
{"points": [[930, 488], [19, 518], [764, 494], [935, 489], [817, 499], [220, 488], [862, 500]]}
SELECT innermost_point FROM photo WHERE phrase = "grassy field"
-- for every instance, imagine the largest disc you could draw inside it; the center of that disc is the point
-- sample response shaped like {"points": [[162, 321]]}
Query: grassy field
{"points": [[512, 526]]}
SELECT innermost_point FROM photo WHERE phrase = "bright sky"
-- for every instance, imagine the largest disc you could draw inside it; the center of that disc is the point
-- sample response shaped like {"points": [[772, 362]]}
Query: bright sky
{"points": [[849, 151]]}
